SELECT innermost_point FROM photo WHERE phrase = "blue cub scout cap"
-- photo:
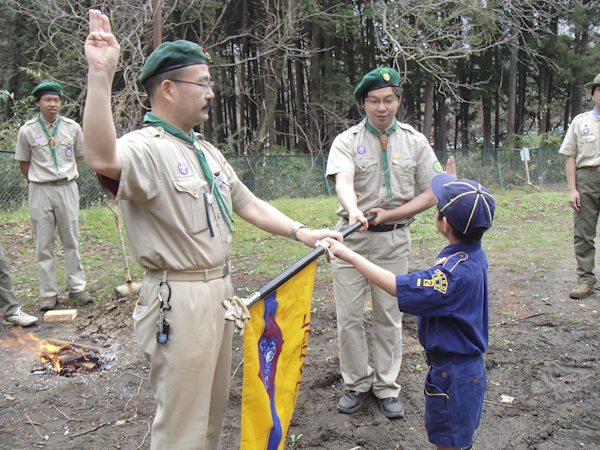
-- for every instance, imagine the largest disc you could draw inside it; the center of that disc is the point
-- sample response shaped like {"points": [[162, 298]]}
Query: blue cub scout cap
{"points": [[465, 203]]}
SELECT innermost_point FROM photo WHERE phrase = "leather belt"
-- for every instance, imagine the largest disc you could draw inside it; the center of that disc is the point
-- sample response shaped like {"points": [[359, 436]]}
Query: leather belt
{"points": [[592, 168], [193, 275], [441, 358], [383, 228], [56, 183]]}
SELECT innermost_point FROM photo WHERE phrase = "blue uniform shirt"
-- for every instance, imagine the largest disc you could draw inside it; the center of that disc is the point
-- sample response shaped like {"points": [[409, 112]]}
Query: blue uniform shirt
{"points": [[451, 300]]}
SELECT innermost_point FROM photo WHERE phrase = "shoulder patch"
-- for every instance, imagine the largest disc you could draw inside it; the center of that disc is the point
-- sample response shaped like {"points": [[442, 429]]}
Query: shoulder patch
{"points": [[455, 260], [437, 167], [438, 282]]}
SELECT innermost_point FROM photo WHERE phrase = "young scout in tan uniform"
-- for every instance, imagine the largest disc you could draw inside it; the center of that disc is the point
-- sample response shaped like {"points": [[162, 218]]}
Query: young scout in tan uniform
{"points": [[582, 147], [9, 305], [376, 166], [49, 151], [176, 192]]}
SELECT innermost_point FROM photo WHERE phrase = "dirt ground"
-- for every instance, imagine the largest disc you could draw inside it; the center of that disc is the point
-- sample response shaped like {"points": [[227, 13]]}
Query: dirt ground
{"points": [[544, 354]]}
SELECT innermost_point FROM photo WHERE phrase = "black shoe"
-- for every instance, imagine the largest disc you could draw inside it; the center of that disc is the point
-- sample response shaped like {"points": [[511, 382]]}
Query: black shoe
{"points": [[391, 407], [351, 401]]}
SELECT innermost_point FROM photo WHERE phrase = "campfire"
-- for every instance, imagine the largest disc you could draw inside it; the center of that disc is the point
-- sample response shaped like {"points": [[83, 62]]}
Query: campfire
{"points": [[59, 357]]}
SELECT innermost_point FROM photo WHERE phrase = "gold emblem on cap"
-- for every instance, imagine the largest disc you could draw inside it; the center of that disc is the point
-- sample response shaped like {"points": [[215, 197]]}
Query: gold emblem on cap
{"points": [[386, 76]]}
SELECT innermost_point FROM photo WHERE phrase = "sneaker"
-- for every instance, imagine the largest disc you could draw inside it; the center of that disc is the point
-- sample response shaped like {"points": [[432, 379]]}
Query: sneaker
{"points": [[391, 408], [48, 303], [20, 318], [581, 291], [83, 296], [351, 401]]}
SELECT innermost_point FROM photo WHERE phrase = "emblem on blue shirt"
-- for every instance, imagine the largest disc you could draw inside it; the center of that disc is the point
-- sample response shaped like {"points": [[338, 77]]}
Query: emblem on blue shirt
{"points": [[183, 168], [68, 152], [438, 281]]}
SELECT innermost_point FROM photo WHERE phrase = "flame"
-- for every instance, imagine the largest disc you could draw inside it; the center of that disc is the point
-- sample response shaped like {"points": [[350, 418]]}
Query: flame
{"points": [[47, 351]]}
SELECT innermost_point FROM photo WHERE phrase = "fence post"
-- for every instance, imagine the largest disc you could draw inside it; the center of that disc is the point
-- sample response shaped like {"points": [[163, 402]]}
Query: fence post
{"points": [[274, 177], [541, 177], [326, 189], [499, 171]]}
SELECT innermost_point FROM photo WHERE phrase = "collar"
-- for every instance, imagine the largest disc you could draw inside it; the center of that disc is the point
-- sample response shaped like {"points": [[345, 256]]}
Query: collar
{"points": [[378, 133], [455, 248], [596, 113]]}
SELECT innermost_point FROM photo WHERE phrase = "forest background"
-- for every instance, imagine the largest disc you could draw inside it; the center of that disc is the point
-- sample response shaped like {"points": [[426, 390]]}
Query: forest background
{"points": [[475, 73]]}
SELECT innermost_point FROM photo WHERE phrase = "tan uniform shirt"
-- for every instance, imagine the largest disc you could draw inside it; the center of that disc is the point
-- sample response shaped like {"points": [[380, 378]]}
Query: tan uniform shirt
{"points": [[161, 193], [582, 140], [357, 151], [33, 146]]}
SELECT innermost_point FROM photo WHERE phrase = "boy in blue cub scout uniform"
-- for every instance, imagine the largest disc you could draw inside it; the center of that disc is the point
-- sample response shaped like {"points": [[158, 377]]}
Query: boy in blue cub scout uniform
{"points": [[451, 301]]}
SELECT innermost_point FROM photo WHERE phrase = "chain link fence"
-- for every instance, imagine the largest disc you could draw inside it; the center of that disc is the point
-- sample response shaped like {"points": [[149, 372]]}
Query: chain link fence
{"points": [[293, 176]]}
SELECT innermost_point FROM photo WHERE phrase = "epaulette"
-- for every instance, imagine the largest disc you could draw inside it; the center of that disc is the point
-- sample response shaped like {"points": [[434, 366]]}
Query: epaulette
{"points": [[410, 129], [454, 260], [67, 120], [150, 131], [30, 121]]}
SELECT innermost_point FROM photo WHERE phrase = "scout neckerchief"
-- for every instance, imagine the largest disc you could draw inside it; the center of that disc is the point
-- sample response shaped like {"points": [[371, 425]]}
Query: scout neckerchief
{"points": [[383, 140], [596, 113], [50, 137], [151, 119]]}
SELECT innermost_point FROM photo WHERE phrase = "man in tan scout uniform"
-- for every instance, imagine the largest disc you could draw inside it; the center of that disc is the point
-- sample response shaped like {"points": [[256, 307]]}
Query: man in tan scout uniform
{"points": [[376, 165], [49, 151], [582, 148], [176, 192]]}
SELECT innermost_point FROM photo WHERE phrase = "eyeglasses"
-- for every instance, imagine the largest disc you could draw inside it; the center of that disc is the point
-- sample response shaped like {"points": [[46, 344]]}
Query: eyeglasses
{"points": [[376, 102], [208, 84]]}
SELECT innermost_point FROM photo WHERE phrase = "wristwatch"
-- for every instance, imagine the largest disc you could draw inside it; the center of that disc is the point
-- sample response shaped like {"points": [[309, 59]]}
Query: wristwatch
{"points": [[295, 228]]}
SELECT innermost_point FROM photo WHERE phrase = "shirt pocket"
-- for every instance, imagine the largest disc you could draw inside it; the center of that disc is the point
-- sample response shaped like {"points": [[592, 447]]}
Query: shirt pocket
{"points": [[66, 148], [364, 174], [41, 153], [403, 173], [189, 204]]}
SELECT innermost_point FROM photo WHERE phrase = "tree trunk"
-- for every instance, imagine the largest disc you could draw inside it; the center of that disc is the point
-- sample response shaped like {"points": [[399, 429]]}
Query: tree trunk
{"points": [[428, 117], [512, 88]]}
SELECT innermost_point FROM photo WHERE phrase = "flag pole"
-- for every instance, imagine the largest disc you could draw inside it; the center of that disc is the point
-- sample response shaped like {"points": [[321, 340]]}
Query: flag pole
{"points": [[231, 304]]}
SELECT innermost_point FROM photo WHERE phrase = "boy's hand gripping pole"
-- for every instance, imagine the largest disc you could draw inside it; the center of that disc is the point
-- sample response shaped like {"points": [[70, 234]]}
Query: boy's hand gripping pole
{"points": [[236, 309]]}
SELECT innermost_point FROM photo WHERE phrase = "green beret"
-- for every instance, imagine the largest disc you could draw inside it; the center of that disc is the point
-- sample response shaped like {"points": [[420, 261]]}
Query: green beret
{"points": [[47, 87], [593, 84], [376, 79], [173, 55]]}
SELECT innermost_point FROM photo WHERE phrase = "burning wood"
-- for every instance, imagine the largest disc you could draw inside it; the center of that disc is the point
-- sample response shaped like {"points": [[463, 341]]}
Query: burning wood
{"points": [[59, 357]]}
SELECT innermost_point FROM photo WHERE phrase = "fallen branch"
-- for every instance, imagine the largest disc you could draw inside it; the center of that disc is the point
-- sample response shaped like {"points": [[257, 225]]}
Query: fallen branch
{"points": [[237, 368], [67, 417], [144, 440], [33, 425], [90, 430]]}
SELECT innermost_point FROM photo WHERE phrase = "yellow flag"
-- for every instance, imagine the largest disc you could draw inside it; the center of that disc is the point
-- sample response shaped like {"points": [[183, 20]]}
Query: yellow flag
{"points": [[275, 343]]}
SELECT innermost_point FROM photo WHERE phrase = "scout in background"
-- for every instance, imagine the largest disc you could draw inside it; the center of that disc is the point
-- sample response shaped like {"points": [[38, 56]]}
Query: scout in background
{"points": [[451, 302], [49, 151]]}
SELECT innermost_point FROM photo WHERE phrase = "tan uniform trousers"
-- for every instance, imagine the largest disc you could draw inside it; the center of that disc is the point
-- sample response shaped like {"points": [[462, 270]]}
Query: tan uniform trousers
{"points": [[190, 373], [50, 207], [389, 250], [8, 299], [586, 221]]}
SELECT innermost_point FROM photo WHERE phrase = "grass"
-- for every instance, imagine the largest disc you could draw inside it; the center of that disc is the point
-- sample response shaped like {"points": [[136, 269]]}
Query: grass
{"points": [[533, 229]]}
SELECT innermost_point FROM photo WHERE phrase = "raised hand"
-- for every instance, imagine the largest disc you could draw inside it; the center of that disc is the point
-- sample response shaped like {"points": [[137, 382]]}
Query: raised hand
{"points": [[101, 48]]}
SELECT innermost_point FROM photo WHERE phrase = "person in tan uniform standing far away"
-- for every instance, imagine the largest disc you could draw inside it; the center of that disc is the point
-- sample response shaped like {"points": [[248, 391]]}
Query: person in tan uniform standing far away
{"points": [[176, 193], [49, 151], [582, 148]]}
